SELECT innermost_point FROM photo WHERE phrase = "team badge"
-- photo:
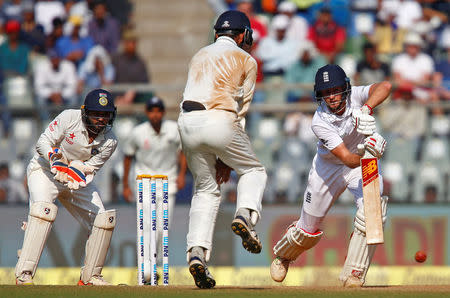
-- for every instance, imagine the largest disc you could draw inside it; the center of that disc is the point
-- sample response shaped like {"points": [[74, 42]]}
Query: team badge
{"points": [[226, 24], [94, 151], [103, 100], [326, 78]]}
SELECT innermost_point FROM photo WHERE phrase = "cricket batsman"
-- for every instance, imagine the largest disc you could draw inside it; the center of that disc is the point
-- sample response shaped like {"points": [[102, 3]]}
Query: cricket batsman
{"points": [[73, 147], [341, 122], [218, 92]]}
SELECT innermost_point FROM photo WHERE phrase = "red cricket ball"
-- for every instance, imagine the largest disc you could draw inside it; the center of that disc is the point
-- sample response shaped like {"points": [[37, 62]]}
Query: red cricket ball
{"points": [[421, 256]]}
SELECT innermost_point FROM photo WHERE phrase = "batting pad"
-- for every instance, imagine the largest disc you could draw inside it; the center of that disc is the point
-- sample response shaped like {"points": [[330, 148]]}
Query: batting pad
{"points": [[98, 243], [40, 219], [359, 255], [295, 242]]}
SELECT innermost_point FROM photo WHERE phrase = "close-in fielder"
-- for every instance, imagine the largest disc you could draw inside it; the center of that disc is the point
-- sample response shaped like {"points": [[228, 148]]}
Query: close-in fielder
{"points": [[69, 152], [341, 123], [217, 96]]}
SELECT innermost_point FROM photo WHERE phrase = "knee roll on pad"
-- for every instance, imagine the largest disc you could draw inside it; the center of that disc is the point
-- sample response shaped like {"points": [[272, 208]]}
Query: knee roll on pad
{"points": [[98, 244], [295, 242], [40, 219]]}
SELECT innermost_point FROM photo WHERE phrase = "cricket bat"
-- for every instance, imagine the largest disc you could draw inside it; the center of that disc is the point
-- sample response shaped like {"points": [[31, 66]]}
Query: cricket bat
{"points": [[372, 199]]}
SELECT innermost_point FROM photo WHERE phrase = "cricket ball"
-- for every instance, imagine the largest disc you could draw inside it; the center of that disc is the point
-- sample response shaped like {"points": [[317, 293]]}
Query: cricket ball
{"points": [[421, 256]]}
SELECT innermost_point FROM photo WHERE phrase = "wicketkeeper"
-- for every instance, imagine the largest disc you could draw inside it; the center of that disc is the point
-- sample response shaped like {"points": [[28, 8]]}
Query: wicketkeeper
{"points": [[341, 123], [74, 146]]}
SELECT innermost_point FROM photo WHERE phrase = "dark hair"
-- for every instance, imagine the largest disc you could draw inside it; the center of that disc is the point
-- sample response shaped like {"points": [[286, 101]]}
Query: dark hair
{"points": [[368, 46], [230, 33]]}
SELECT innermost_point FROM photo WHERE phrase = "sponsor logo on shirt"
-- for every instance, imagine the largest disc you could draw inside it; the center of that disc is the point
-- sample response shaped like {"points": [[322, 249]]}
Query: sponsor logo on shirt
{"points": [[70, 137], [52, 125], [308, 197]]}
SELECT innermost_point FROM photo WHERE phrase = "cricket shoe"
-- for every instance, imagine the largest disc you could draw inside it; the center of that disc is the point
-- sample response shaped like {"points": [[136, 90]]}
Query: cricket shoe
{"points": [[25, 279], [353, 282], [279, 269], [199, 271], [96, 280], [250, 240]]}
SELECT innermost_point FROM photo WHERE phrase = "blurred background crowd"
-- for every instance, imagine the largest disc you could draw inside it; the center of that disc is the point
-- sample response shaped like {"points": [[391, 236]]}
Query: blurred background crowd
{"points": [[53, 52]]}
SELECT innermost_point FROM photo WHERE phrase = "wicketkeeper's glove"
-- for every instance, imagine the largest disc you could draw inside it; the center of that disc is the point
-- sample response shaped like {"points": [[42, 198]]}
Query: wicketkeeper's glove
{"points": [[58, 165], [79, 174]]}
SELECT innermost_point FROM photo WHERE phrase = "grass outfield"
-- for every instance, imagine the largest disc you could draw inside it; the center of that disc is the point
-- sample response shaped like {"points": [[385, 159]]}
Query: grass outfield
{"points": [[229, 292]]}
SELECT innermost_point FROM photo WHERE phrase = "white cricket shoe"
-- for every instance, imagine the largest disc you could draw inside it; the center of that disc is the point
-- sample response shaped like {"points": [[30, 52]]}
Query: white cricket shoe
{"points": [[24, 279], [279, 269], [96, 280], [353, 282]]}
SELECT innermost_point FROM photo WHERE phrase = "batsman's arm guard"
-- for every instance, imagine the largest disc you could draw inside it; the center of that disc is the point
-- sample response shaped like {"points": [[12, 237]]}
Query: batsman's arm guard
{"points": [[294, 242], [40, 219], [359, 255], [98, 244]]}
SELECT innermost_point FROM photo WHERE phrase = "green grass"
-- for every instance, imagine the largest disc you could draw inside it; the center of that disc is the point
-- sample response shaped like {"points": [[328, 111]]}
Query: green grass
{"points": [[229, 292]]}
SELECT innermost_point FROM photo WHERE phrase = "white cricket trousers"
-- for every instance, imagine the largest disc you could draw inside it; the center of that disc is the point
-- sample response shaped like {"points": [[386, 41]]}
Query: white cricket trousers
{"points": [[84, 204], [205, 136], [326, 182]]}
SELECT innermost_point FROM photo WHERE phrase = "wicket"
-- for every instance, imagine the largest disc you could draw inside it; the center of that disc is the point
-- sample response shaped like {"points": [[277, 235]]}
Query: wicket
{"points": [[146, 229]]}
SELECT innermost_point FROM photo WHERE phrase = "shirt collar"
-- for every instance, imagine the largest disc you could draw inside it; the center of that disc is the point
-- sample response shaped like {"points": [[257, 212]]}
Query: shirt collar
{"points": [[226, 39]]}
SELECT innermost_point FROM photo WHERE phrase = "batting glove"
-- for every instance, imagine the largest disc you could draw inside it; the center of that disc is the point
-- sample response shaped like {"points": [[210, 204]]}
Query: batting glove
{"points": [[58, 165], [375, 144], [363, 121], [79, 174]]}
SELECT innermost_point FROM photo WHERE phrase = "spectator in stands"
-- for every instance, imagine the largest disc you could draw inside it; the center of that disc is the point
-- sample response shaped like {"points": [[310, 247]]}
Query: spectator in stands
{"points": [[13, 62], [46, 10], [130, 68], [303, 71], [246, 6], [104, 29], [371, 70], [397, 130], [32, 34], [413, 70], [79, 8], [55, 34], [97, 70], [13, 10], [13, 52], [442, 77], [277, 51], [73, 47], [11, 191], [55, 83], [327, 35], [298, 26]]}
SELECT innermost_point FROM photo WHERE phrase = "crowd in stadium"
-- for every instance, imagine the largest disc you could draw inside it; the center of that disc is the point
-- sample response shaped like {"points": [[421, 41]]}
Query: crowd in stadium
{"points": [[53, 52]]}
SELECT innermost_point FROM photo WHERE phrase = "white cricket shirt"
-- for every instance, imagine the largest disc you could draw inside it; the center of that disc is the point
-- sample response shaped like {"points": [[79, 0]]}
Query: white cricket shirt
{"points": [[332, 130], [156, 154], [68, 132]]}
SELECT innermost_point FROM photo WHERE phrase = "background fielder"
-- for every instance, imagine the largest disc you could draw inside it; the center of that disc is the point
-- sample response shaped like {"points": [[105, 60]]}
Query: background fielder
{"points": [[71, 150], [218, 92], [341, 122]]}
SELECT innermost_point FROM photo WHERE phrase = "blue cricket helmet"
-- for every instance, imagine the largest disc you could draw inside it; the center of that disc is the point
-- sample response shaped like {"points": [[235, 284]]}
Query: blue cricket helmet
{"points": [[331, 76], [234, 20], [98, 100]]}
